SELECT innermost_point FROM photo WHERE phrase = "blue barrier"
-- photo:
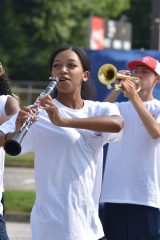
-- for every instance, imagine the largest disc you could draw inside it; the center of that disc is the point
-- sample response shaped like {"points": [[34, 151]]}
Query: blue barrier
{"points": [[119, 58]]}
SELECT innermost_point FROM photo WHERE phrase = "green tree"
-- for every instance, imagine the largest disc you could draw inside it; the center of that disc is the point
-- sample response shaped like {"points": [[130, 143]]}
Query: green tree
{"points": [[31, 29], [140, 16]]}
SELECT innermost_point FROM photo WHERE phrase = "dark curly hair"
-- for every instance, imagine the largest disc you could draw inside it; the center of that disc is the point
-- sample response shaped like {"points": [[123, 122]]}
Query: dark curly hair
{"points": [[88, 90], [5, 85]]}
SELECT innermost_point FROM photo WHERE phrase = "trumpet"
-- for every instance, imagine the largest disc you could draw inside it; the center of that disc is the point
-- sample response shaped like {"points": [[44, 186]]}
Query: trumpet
{"points": [[108, 75], [13, 146]]}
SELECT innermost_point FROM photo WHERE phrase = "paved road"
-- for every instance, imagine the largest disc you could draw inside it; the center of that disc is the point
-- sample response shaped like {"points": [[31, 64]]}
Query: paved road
{"points": [[19, 178], [19, 231]]}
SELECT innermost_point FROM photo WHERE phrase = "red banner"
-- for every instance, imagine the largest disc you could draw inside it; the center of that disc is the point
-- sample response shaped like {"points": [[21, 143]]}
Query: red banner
{"points": [[97, 33]]}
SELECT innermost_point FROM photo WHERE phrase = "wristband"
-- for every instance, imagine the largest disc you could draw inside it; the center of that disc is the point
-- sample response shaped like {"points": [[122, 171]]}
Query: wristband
{"points": [[5, 136]]}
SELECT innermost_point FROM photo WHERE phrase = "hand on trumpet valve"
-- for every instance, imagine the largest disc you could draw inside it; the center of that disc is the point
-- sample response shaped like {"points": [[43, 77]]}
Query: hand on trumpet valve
{"points": [[127, 79], [118, 84], [129, 88]]}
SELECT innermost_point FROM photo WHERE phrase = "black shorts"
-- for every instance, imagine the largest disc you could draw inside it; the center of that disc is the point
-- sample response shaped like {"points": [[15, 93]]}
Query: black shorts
{"points": [[130, 222]]}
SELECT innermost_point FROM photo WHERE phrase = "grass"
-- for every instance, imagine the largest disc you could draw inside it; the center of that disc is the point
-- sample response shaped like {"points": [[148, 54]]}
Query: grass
{"points": [[18, 201], [21, 160]]}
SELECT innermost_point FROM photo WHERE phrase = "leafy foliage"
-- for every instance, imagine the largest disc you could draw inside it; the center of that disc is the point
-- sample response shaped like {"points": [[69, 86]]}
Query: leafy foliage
{"points": [[31, 29], [140, 16]]}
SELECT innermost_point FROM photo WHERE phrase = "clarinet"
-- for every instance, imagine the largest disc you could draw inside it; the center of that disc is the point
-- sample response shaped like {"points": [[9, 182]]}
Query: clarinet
{"points": [[13, 146]]}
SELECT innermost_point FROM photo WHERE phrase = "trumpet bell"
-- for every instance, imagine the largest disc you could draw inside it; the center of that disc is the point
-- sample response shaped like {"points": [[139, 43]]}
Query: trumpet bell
{"points": [[108, 75]]}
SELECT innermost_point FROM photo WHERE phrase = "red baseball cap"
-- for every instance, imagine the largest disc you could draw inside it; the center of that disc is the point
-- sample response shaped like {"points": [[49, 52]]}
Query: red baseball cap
{"points": [[150, 62]]}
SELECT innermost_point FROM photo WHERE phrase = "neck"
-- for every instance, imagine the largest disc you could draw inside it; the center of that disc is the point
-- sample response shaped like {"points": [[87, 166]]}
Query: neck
{"points": [[71, 102], [146, 96]]}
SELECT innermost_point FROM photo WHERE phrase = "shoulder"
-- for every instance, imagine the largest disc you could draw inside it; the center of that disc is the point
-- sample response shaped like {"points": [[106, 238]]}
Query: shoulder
{"points": [[106, 108], [12, 105], [124, 105], [153, 104], [98, 103], [4, 98], [156, 102]]}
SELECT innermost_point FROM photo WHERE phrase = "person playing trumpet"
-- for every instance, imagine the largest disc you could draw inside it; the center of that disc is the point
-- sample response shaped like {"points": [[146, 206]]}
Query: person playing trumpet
{"points": [[131, 182]]}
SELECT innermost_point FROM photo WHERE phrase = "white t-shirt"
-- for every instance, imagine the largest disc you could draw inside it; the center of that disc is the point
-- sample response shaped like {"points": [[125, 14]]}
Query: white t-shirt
{"points": [[132, 171], [66, 162]]}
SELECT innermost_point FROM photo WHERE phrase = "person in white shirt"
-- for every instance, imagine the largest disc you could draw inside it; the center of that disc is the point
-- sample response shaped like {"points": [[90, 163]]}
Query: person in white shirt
{"points": [[67, 141], [9, 105], [131, 183]]}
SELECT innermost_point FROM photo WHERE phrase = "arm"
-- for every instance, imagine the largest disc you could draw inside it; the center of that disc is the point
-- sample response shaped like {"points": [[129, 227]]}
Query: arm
{"points": [[112, 123], [148, 120], [2, 138], [5, 137], [112, 96], [11, 107], [100, 123], [10, 128]]}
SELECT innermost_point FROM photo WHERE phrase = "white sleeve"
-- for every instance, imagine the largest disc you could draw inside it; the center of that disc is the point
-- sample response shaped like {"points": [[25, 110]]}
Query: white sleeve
{"points": [[113, 137], [3, 100], [111, 109], [9, 126]]}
